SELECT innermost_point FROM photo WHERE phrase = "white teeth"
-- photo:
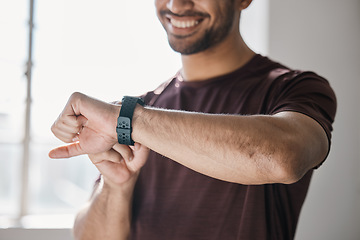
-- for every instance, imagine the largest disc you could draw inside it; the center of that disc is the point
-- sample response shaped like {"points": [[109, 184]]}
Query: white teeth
{"points": [[183, 24]]}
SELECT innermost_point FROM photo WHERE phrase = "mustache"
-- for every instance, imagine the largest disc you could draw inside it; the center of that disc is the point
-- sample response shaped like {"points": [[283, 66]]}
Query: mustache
{"points": [[184, 14]]}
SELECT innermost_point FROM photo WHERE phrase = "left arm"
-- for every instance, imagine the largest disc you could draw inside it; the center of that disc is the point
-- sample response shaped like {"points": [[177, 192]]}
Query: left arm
{"points": [[255, 149]]}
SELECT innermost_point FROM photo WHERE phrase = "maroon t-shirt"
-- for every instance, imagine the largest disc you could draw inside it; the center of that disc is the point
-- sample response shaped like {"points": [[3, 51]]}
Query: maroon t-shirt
{"points": [[173, 202]]}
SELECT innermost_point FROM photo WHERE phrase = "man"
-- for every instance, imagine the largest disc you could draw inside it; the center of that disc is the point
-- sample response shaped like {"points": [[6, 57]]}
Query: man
{"points": [[234, 138]]}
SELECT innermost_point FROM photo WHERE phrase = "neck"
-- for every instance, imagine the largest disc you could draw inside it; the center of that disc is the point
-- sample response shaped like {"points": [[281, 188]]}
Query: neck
{"points": [[221, 59]]}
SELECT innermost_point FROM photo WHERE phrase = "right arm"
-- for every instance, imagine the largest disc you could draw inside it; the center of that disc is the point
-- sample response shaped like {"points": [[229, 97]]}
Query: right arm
{"points": [[88, 125], [108, 213], [106, 216]]}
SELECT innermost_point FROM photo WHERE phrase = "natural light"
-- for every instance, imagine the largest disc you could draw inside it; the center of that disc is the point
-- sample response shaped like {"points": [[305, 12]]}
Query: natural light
{"points": [[105, 49]]}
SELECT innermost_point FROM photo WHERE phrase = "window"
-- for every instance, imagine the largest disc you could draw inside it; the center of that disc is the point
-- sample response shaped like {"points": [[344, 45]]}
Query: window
{"points": [[105, 49], [13, 53]]}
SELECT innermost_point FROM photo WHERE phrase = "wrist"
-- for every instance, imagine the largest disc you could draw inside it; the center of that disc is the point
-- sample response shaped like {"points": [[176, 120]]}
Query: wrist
{"points": [[122, 190], [117, 108], [124, 126], [138, 119]]}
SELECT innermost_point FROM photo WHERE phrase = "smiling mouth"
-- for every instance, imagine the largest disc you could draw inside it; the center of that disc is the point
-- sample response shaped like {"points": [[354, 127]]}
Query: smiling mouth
{"points": [[184, 23]]}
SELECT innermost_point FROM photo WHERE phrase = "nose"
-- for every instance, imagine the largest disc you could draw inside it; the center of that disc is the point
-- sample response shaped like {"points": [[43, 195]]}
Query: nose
{"points": [[180, 6]]}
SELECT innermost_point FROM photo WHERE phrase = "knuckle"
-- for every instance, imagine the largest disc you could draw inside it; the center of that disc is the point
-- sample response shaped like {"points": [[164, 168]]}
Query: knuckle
{"points": [[54, 129], [75, 95]]}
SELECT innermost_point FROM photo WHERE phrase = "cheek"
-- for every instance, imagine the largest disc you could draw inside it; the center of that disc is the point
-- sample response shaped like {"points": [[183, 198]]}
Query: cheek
{"points": [[160, 4], [225, 12], [217, 9], [157, 10]]}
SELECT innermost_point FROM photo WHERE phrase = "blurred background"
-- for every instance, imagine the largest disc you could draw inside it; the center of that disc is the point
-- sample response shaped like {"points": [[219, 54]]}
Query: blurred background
{"points": [[110, 48]]}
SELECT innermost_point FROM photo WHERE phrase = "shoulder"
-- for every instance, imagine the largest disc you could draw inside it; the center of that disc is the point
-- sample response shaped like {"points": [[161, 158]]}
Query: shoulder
{"points": [[284, 79], [151, 96]]}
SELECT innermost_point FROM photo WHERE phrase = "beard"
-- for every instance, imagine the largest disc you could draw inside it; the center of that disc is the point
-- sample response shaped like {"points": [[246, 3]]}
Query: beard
{"points": [[186, 45]]}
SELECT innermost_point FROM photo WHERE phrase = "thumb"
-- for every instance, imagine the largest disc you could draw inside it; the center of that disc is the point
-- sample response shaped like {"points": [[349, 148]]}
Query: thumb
{"points": [[66, 151], [140, 157]]}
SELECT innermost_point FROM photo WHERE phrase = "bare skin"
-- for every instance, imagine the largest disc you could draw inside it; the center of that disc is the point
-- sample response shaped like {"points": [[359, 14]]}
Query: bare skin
{"points": [[254, 149], [110, 204]]}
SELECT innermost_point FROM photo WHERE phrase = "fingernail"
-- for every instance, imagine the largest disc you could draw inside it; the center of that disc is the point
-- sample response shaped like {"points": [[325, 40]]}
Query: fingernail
{"points": [[52, 155]]}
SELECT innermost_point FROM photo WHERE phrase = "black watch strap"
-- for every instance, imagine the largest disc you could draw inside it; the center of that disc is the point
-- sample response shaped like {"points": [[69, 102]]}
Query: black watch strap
{"points": [[124, 122]]}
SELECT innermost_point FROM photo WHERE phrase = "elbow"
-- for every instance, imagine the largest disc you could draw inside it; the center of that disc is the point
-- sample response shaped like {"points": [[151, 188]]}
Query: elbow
{"points": [[289, 167], [288, 174]]}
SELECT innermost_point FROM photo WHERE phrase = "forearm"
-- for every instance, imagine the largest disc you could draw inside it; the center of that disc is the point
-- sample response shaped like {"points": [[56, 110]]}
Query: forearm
{"points": [[242, 149], [107, 216]]}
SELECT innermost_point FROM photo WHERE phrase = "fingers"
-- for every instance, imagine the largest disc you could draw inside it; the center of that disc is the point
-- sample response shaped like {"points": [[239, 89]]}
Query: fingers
{"points": [[117, 154], [67, 151], [112, 166], [67, 127], [140, 153], [134, 157], [125, 151], [89, 121], [111, 156], [70, 122], [114, 174]]}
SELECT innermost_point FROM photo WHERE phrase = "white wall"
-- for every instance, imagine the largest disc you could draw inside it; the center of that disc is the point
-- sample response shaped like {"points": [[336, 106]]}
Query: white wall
{"points": [[254, 26], [324, 36]]}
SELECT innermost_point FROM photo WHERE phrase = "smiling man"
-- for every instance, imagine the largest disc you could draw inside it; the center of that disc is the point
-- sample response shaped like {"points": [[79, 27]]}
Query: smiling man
{"points": [[223, 150], [191, 31]]}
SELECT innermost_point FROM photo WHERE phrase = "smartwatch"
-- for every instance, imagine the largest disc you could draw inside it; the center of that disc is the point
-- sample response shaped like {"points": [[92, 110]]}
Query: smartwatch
{"points": [[124, 122]]}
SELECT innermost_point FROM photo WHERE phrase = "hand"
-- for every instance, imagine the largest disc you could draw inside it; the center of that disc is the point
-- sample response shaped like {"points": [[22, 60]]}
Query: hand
{"points": [[120, 164], [89, 125]]}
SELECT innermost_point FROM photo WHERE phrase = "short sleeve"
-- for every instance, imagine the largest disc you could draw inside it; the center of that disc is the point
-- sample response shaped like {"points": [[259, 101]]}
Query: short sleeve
{"points": [[307, 93]]}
